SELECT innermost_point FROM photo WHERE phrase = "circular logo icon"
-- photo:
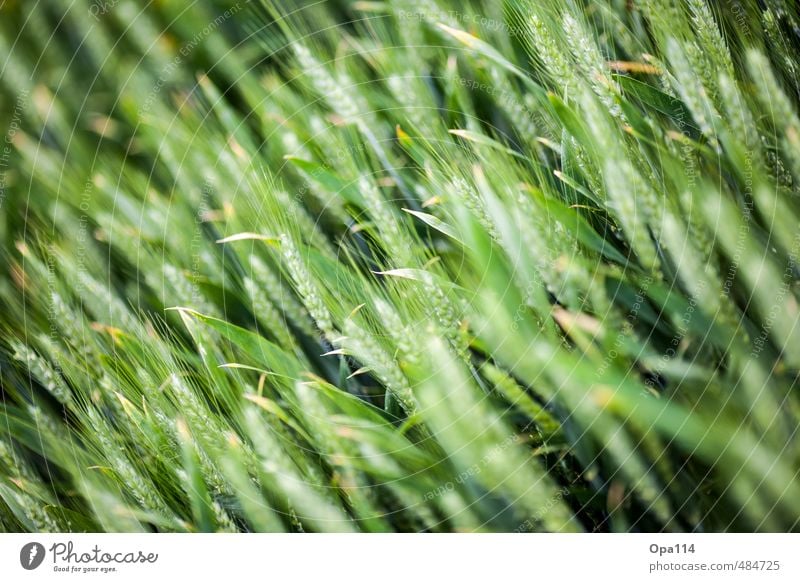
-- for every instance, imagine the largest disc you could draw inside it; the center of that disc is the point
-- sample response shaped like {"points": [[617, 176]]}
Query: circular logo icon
{"points": [[31, 555]]}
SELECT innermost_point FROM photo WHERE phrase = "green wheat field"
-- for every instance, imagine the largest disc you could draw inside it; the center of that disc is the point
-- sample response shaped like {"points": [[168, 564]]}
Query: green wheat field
{"points": [[399, 265]]}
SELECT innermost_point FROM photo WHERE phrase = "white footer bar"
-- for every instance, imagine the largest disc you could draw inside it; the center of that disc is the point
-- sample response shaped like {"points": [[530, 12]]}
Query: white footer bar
{"points": [[401, 557]]}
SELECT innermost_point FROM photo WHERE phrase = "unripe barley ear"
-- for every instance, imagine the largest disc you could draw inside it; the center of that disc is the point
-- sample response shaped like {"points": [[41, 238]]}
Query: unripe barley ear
{"points": [[306, 287]]}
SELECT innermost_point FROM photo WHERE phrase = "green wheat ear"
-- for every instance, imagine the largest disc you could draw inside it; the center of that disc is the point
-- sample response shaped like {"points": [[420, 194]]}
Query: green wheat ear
{"points": [[399, 266]]}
